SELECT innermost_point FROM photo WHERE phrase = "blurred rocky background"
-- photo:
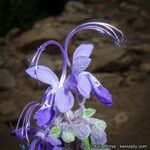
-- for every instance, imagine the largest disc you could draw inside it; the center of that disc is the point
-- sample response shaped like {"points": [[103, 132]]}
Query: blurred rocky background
{"points": [[24, 25]]}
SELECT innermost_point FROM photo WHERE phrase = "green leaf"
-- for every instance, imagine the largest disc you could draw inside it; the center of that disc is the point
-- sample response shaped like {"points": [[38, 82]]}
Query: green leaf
{"points": [[55, 131], [88, 112], [68, 136]]}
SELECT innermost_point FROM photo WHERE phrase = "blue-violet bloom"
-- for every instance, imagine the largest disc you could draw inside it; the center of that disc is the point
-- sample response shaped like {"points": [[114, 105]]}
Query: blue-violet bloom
{"points": [[58, 96], [84, 81]]}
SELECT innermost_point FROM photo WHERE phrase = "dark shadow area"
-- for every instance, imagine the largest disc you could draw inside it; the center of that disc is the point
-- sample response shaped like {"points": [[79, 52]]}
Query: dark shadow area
{"points": [[22, 14]]}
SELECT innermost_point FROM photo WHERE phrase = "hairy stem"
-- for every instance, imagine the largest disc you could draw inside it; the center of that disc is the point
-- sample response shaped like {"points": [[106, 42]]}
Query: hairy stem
{"points": [[86, 144]]}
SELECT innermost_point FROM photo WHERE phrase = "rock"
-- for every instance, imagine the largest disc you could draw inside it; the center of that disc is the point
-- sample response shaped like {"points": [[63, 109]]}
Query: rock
{"points": [[73, 17], [41, 32], [144, 14], [75, 12], [129, 7], [52, 61], [111, 80], [140, 48], [2, 41], [139, 24], [47, 29], [133, 77], [74, 6], [122, 64], [7, 107], [145, 67], [116, 1], [121, 118], [13, 33], [126, 62], [1, 61], [139, 2], [103, 57], [7, 81]]}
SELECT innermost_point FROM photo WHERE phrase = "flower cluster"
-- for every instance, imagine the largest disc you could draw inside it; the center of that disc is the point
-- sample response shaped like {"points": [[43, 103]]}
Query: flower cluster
{"points": [[54, 121]]}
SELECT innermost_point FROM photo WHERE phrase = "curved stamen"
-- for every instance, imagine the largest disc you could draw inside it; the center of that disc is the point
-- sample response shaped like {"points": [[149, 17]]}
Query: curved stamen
{"points": [[37, 55], [27, 120], [102, 25], [99, 29], [23, 113], [98, 26], [26, 116], [102, 30]]}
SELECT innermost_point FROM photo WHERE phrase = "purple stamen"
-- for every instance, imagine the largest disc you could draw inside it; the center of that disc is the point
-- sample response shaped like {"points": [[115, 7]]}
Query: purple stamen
{"points": [[27, 119], [39, 52], [23, 113], [98, 26], [26, 123]]}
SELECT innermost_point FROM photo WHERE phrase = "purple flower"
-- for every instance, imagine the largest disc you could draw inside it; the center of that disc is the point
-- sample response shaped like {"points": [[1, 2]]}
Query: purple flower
{"points": [[56, 95], [98, 137], [41, 139], [31, 132], [84, 81], [45, 141], [45, 116], [25, 130]]}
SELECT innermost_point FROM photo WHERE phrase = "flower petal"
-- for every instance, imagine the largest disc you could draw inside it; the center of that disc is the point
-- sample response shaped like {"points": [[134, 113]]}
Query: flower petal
{"points": [[43, 74], [84, 86], [81, 130], [64, 125], [103, 95], [51, 147], [52, 140], [80, 64], [18, 133], [47, 98], [34, 144], [70, 82], [64, 100], [57, 148], [83, 50], [98, 137], [48, 146], [100, 124], [44, 116], [21, 135], [40, 146], [99, 91]]}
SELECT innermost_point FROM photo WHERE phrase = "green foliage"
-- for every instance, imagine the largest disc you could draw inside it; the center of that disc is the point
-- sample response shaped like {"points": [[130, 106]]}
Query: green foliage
{"points": [[88, 112], [56, 132], [68, 136]]}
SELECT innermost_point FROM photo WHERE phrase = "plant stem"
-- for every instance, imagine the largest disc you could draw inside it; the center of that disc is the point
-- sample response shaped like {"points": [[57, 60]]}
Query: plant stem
{"points": [[86, 144]]}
